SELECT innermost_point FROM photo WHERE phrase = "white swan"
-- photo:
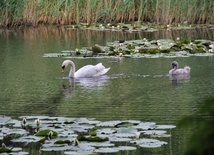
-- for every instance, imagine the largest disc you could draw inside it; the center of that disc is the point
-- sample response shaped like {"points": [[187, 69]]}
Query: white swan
{"points": [[176, 71], [85, 71]]}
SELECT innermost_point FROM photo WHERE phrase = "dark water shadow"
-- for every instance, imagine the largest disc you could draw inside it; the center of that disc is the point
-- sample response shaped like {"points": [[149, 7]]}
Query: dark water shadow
{"points": [[202, 139]]}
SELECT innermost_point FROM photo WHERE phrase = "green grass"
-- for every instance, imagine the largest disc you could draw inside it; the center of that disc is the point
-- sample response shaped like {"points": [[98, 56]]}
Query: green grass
{"points": [[63, 12]]}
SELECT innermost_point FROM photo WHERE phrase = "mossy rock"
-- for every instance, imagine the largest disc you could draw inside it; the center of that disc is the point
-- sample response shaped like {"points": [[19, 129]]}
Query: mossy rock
{"points": [[98, 49], [45, 133]]}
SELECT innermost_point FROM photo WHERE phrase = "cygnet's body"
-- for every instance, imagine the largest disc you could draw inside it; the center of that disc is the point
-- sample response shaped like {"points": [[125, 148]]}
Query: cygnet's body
{"points": [[176, 71]]}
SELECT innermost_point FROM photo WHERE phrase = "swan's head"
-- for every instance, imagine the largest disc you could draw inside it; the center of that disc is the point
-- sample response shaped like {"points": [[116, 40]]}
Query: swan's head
{"points": [[175, 64], [65, 64]]}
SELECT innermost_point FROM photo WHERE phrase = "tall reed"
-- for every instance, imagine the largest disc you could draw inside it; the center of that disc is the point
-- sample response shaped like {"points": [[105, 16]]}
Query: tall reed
{"points": [[62, 12]]}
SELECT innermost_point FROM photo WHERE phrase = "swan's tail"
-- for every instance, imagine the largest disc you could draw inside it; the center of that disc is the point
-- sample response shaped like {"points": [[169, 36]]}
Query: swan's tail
{"points": [[187, 68], [101, 70]]}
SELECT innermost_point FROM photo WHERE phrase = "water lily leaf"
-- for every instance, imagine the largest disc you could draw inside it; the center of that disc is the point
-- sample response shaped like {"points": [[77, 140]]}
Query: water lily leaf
{"points": [[106, 131], [146, 125], [4, 119], [45, 133], [119, 139], [125, 135], [56, 148], [123, 124], [109, 123], [92, 138], [149, 143], [17, 132], [27, 139], [165, 126], [98, 144], [154, 132], [127, 148], [127, 130], [63, 142], [78, 153], [107, 150], [19, 153], [35, 117]]}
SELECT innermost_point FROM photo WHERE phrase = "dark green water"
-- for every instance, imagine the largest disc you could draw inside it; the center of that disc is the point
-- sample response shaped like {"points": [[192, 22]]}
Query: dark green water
{"points": [[134, 89]]}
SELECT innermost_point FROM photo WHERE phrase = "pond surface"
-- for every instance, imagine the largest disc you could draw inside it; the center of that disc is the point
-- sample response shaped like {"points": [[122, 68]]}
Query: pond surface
{"points": [[134, 89]]}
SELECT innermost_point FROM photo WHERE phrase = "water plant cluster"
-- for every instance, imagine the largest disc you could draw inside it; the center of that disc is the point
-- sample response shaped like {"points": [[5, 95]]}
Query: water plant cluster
{"points": [[67, 12], [80, 135], [144, 48]]}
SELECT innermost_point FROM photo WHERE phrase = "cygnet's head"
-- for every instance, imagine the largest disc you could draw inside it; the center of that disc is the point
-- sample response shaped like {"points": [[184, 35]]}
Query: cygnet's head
{"points": [[175, 64]]}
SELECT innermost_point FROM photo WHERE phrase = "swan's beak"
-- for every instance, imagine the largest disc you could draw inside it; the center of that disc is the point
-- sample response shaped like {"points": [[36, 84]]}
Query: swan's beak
{"points": [[63, 69], [173, 65]]}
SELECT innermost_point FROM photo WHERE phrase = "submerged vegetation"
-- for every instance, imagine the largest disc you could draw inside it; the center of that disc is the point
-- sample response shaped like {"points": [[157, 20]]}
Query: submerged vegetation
{"points": [[66, 12]]}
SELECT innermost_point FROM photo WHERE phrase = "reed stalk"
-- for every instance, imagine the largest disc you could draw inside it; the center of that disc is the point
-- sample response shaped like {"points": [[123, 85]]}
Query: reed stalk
{"points": [[63, 12]]}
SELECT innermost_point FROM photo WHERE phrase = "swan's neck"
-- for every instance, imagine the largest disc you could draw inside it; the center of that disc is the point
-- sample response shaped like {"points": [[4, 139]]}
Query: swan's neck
{"points": [[72, 70]]}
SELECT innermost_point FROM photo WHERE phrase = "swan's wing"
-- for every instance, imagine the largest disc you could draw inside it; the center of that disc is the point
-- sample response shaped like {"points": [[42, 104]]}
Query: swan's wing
{"points": [[100, 69], [102, 72], [181, 71], [86, 71], [91, 70]]}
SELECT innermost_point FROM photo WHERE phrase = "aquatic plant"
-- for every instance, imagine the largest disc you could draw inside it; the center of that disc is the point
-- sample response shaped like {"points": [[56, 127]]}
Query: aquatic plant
{"points": [[82, 134], [144, 48], [167, 12]]}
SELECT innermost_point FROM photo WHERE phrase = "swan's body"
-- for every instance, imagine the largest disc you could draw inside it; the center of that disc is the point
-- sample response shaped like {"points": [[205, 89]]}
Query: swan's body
{"points": [[86, 71], [181, 71]]}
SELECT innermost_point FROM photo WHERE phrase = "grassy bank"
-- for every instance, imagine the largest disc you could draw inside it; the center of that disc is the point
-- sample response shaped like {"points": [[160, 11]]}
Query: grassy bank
{"points": [[34, 12]]}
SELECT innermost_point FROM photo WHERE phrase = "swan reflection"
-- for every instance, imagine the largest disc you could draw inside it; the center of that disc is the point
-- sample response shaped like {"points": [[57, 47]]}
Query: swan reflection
{"points": [[92, 82], [88, 83], [176, 78]]}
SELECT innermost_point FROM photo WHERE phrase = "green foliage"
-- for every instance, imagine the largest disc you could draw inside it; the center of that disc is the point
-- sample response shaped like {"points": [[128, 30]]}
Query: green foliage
{"points": [[91, 138], [46, 132], [19, 12]]}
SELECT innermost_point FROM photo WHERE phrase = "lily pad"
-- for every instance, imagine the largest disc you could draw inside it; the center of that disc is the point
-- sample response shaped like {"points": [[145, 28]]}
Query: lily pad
{"points": [[127, 148], [94, 136], [4, 119], [165, 126], [107, 150], [149, 143], [154, 132], [46, 132], [146, 125], [109, 123]]}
